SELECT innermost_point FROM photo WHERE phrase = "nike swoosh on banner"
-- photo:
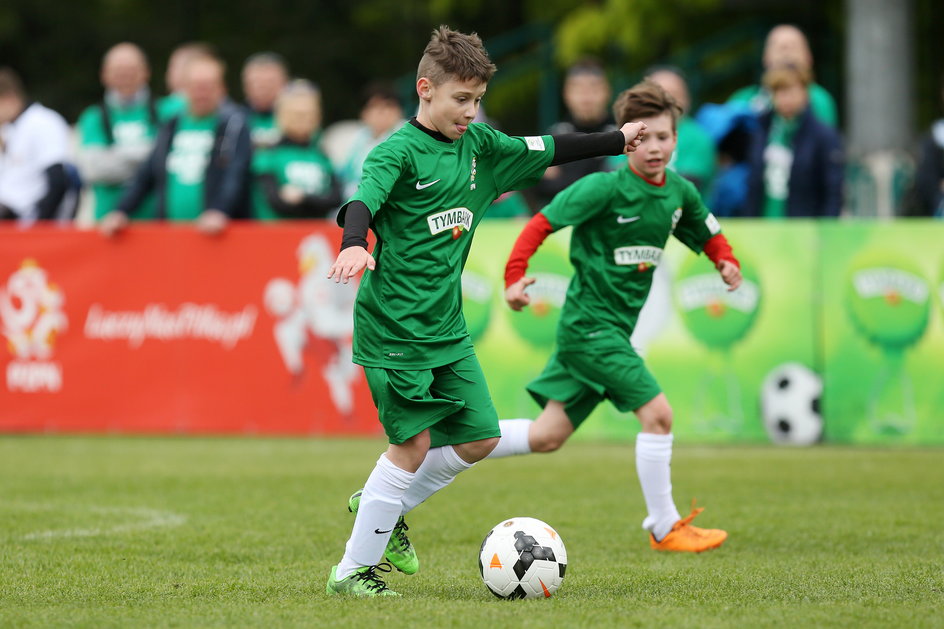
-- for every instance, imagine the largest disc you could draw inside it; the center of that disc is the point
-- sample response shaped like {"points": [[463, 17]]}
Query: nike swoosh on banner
{"points": [[379, 532], [627, 219], [420, 186]]}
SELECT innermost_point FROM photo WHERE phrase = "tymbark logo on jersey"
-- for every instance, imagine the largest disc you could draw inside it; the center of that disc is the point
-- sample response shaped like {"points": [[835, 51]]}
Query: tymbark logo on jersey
{"points": [[643, 257], [457, 219]]}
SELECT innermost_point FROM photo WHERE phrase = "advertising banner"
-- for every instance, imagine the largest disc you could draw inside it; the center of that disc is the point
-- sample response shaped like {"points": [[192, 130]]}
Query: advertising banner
{"points": [[163, 329], [837, 333]]}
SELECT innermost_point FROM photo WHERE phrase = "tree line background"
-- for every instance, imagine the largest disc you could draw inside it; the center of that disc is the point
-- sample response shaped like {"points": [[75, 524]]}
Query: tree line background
{"points": [[343, 44]]}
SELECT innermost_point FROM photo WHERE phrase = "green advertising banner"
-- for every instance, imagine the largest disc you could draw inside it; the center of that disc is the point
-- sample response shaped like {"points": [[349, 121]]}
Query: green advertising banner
{"points": [[883, 331], [829, 338]]}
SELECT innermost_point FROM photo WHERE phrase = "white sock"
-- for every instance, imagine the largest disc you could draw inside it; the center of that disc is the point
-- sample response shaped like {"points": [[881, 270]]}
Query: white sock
{"points": [[514, 438], [439, 468], [377, 514], [653, 465]]}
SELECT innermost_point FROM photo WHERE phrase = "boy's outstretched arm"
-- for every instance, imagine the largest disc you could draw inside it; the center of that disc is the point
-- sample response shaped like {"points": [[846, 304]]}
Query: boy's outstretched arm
{"points": [[719, 251], [570, 147], [354, 256], [530, 238]]}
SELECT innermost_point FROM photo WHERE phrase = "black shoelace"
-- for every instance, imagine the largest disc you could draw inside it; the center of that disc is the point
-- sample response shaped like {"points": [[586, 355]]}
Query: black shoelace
{"points": [[373, 580], [400, 531]]}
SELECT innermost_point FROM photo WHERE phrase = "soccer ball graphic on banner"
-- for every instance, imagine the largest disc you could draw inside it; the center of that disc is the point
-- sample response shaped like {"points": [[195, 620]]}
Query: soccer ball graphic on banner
{"points": [[522, 558], [790, 398]]}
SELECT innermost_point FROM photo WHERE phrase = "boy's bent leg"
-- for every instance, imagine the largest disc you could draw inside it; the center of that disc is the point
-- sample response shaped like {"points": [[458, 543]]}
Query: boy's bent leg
{"points": [[653, 465], [545, 434], [377, 515], [668, 531], [439, 469]]}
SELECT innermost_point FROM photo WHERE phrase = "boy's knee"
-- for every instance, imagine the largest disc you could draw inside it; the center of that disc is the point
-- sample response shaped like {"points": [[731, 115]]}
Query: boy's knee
{"points": [[656, 417], [547, 441], [476, 450]]}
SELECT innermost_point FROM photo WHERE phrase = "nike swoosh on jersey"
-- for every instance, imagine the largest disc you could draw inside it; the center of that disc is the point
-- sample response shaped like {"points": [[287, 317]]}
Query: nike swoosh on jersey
{"points": [[420, 186], [627, 219], [379, 532]]}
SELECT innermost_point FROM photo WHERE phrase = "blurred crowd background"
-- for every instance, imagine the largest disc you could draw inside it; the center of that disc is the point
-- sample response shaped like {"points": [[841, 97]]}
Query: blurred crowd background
{"points": [[204, 111]]}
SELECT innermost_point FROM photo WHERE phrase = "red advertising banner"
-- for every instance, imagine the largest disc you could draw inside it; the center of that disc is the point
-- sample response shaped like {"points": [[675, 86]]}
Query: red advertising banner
{"points": [[164, 329]]}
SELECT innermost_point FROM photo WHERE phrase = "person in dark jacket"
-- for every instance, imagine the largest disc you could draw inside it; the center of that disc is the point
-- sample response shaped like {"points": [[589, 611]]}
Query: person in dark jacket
{"points": [[199, 167], [927, 196], [796, 162]]}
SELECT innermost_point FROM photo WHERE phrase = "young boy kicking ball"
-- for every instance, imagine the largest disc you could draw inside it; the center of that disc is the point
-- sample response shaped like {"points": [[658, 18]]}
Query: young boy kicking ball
{"points": [[424, 192], [621, 221]]}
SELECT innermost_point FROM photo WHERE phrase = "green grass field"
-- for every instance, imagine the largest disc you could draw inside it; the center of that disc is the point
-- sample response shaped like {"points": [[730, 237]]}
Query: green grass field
{"points": [[167, 532]]}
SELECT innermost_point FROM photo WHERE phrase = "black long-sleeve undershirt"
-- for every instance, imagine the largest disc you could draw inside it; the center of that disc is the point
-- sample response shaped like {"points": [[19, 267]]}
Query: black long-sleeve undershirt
{"points": [[568, 147]]}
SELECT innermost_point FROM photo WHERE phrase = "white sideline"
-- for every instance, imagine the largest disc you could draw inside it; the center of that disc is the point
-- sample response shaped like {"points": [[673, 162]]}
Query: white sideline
{"points": [[146, 519]]}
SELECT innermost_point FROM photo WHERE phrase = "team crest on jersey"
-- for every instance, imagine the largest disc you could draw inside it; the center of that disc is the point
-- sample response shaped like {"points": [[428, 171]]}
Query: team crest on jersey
{"points": [[643, 258], [457, 220]]}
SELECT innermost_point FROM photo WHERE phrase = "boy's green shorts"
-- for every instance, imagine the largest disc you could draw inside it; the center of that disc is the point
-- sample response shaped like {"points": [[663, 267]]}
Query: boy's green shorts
{"points": [[452, 401], [582, 379]]}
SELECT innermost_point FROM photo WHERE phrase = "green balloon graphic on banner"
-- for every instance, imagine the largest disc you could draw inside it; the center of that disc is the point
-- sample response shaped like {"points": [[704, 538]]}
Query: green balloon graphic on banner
{"points": [[537, 323], [717, 317], [888, 299], [477, 291]]}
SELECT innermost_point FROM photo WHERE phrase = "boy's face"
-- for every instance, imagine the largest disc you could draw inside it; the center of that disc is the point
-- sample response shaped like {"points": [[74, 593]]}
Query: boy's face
{"points": [[653, 155], [790, 100], [450, 106]]}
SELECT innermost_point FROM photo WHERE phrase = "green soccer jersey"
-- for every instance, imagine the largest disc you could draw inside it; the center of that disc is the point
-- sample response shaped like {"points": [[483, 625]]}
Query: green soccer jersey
{"points": [[427, 196], [263, 129], [186, 166], [304, 167], [131, 127], [621, 224]]}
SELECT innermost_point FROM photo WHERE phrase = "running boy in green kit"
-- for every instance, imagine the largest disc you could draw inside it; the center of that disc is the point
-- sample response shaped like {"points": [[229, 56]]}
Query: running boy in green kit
{"points": [[423, 192], [621, 220]]}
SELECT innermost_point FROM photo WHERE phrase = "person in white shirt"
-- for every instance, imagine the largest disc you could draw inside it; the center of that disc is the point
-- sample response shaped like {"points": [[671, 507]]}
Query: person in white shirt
{"points": [[34, 154]]}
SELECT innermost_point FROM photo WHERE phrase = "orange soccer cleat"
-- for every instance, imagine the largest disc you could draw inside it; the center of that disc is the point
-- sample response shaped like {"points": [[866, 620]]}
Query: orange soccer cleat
{"points": [[686, 538]]}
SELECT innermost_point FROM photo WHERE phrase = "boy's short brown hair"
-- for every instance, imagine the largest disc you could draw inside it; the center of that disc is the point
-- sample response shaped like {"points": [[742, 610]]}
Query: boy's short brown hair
{"points": [[451, 55], [781, 76], [645, 100]]}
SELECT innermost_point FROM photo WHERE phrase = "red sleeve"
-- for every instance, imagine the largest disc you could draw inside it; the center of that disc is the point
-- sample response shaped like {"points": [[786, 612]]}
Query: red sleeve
{"points": [[530, 238], [717, 249]]}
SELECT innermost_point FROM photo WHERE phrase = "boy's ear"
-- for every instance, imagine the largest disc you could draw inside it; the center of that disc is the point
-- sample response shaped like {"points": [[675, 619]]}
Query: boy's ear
{"points": [[424, 88]]}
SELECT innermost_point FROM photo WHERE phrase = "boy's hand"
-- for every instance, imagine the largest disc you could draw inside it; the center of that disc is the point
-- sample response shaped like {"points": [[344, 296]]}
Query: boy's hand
{"points": [[516, 296], [730, 273], [350, 262], [633, 132]]}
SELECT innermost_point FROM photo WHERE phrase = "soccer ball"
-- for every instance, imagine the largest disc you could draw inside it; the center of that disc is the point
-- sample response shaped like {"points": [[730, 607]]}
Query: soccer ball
{"points": [[790, 397], [522, 558]]}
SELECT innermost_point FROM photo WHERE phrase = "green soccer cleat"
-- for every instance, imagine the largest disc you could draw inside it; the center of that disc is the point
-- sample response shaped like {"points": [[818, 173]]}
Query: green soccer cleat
{"points": [[399, 551], [362, 582]]}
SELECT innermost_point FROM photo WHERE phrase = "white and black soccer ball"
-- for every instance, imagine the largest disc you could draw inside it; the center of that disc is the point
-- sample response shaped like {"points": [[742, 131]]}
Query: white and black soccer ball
{"points": [[522, 558], [790, 405]]}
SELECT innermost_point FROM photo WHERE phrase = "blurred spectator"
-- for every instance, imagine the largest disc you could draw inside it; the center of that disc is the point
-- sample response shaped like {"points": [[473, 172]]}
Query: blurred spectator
{"points": [[175, 102], [695, 156], [199, 166], [381, 115], [795, 160], [731, 127], [34, 157], [787, 45], [927, 197], [587, 98], [117, 134], [294, 178], [265, 75]]}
